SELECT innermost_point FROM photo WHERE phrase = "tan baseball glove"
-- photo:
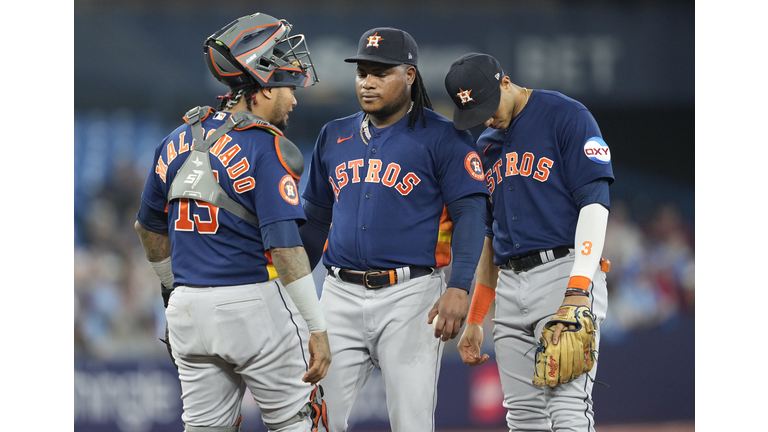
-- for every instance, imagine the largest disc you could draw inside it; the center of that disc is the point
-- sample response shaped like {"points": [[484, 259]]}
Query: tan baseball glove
{"points": [[573, 355]]}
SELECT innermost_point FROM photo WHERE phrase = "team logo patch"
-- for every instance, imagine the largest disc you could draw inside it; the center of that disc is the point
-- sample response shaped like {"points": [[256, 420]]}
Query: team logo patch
{"points": [[219, 116], [288, 190], [597, 150], [474, 166], [373, 41], [464, 95]]}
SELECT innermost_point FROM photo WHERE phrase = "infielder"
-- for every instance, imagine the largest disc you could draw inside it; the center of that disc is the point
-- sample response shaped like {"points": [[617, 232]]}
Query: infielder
{"points": [[221, 204], [548, 171], [399, 188]]}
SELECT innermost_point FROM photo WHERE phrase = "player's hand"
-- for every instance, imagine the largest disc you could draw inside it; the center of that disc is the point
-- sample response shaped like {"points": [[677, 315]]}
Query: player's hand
{"points": [[319, 358], [452, 309], [470, 343], [570, 300]]}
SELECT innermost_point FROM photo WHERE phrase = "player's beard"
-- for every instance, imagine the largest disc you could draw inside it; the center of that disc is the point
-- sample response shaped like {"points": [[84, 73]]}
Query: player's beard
{"points": [[391, 108], [280, 112]]}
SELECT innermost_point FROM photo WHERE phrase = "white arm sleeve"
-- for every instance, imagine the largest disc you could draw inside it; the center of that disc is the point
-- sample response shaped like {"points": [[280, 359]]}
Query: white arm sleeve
{"points": [[590, 240], [304, 296], [164, 271]]}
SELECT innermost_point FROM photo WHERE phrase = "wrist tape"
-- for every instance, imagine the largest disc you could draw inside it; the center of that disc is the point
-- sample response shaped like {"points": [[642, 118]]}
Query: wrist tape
{"points": [[304, 296], [482, 298]]}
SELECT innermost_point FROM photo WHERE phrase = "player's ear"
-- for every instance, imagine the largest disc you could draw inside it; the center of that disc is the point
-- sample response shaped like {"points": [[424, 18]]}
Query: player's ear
{"points": [[506, 83], [410, 75], [268, 93]]}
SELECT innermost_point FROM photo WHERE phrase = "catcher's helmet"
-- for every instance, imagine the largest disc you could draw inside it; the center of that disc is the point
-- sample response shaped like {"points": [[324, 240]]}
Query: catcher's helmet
{"points": [[257, 49]]}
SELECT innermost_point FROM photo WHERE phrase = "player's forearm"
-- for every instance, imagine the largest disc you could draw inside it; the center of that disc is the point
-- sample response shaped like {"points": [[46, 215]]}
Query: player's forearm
{"points": [[485, 286], [468, 215], [156, 246], [315, 231], [487, 271], [589, 243], [291, 263], [293, 270]]}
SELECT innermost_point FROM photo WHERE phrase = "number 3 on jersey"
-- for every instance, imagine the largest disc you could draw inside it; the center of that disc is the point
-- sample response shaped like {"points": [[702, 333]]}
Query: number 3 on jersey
{"points": [[184, 221]]}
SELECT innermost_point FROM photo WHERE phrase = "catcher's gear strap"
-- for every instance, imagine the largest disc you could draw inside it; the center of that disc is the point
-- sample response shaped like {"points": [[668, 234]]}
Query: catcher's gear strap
{"points": [[289, 155], [304, 296], [164, 271], [589, 241], [195, 177], [315, 409], [482, 298]]}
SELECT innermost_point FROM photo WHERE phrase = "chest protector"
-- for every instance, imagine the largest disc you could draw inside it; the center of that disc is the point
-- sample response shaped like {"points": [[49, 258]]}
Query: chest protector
{"points": [[195, 177]]}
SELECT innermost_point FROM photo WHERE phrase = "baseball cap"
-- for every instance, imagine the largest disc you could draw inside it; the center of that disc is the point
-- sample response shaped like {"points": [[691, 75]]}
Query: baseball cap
{"points": [[386, 45], [473, 84]]}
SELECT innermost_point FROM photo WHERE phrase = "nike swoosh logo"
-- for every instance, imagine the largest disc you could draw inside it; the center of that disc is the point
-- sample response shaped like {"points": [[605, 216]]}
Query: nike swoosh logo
{"points": [[340, 139]]}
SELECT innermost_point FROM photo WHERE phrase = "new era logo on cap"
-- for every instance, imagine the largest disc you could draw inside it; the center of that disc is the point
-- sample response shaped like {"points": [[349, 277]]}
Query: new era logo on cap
{"points": [[386, 45], [480, 75]]}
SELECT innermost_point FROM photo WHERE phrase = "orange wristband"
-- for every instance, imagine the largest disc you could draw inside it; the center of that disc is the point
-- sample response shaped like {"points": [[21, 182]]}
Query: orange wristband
{"points": [[481, 301], [579, 282]]}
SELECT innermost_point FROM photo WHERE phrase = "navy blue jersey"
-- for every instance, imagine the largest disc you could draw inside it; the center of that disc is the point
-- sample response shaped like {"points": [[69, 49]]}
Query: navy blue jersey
{"points": [[210, 246], [389, 196], [552, 147]]}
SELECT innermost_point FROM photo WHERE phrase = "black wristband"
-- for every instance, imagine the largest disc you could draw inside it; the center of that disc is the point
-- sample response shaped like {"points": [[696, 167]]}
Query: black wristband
{"points": [[576, 292]]}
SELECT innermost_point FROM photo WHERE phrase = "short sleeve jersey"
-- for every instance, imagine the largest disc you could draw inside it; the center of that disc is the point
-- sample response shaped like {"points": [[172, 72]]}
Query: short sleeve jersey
{"points": [[552, 147], [389, 192], [209, 245]]}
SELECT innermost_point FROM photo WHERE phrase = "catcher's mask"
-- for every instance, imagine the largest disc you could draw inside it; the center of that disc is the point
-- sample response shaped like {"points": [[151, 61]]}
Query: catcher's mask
{"points": [[257, 49]]}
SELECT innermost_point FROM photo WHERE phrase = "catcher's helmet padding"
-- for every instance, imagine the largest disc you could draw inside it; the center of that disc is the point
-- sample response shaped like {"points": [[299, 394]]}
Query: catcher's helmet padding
{"points": [[258, 49]]}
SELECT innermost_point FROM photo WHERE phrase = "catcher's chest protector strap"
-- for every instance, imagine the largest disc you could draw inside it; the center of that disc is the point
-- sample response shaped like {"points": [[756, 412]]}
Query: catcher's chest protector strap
{"points": [[195, 177]]}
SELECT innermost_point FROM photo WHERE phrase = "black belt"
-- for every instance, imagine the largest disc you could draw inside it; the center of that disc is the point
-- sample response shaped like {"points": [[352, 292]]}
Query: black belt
{"points": [[375, 279], [535, 259]]}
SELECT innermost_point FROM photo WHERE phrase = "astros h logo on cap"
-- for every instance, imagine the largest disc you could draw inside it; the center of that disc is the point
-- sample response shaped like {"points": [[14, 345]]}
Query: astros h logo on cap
{"points": [[373, 41], [386, 45], [481, 74], [464, 95]]}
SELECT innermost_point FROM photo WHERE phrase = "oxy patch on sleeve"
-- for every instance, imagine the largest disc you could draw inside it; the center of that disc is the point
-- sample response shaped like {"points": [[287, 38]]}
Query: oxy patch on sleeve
{"points": [[597, 150]]}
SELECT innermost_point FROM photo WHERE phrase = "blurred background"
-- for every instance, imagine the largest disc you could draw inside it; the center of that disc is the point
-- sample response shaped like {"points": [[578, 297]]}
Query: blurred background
{"points": [[138, 67]]}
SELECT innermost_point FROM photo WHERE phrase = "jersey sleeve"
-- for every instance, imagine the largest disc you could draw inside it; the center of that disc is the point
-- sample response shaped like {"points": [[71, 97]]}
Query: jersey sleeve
{"points": [[276, 196], [318, 190], [155, 190], [459, 169], [585, 153]]}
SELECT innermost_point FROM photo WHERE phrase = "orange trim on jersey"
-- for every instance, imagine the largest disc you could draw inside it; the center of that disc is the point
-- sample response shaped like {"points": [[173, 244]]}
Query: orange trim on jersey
{"points": [[486, 148], [482, 298], [443, 247], [579, 282]]}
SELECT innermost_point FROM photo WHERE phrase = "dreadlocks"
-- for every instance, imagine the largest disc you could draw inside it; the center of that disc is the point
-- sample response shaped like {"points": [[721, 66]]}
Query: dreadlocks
{"points": [[233, 97], [420, 100]]}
